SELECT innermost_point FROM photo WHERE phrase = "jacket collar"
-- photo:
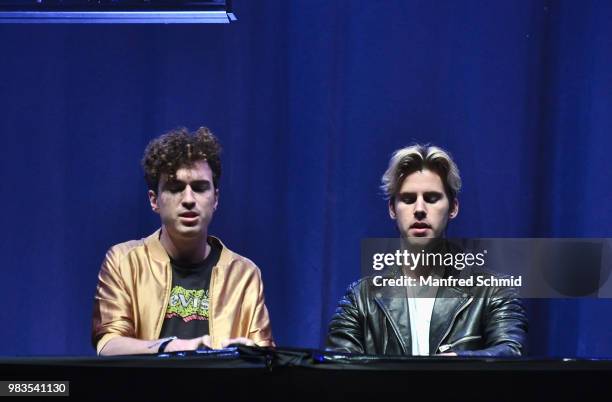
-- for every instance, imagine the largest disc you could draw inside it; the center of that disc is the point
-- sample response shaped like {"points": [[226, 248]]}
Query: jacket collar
{"points": [[159, 253], [448, 303], [396, 311]]}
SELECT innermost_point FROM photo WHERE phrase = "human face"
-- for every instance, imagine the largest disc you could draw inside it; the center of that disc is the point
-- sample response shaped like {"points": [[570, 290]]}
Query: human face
{"points": [[421, 207], [187, 203]]}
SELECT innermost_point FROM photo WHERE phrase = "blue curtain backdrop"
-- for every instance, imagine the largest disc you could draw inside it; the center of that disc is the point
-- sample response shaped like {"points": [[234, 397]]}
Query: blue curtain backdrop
{"points": [[309, 99]]}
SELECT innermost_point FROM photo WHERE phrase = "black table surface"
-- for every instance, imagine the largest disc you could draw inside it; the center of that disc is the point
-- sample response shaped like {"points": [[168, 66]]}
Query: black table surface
{"points": [[243, 373]]}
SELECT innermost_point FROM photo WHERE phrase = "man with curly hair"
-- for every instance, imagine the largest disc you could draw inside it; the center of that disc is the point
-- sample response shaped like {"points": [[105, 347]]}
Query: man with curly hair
{"points": [[180, 288]]}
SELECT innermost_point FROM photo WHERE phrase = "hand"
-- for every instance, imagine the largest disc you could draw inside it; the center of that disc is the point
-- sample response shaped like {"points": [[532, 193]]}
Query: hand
{"points": [[447, 354], [179, 345], [240, 340]]}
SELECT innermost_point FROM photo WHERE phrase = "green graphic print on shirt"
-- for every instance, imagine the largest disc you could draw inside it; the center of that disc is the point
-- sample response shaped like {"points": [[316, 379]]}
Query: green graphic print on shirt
{"points": [[188, 304]]}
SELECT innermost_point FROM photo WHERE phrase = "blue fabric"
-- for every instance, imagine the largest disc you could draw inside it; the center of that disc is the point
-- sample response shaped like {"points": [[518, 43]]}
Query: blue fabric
{"points": [[309, 99]]}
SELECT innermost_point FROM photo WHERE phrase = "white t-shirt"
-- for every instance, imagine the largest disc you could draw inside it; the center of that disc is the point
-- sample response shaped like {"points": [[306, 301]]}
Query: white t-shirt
{"points": [[420, 310]]}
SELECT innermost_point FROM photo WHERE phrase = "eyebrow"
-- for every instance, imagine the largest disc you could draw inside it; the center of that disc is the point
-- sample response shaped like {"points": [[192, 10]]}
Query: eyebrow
{"points": [[172, 184], [426, 193], [176, 181]]}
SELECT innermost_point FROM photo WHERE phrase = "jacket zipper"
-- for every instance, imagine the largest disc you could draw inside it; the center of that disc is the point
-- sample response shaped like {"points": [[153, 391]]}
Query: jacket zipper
{"points": [[395, 330], [211, 305], [453, 321], [160, 321], [444, 348]]}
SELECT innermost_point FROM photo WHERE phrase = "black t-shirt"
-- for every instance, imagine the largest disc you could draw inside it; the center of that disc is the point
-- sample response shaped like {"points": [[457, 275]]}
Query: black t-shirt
{"points": [[188, 306]]}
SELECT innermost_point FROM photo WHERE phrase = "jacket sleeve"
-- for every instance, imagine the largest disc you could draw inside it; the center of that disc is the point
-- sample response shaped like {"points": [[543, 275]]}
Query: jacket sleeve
{"points": [[346, 332], [260, 329], [112, 311], [505, 326]]}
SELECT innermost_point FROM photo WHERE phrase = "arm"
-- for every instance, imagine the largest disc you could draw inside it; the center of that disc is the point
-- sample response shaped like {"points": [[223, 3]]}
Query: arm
{"points": [[122, 345], [260, 330], [112, 311], [505, 326], [345, 332]]}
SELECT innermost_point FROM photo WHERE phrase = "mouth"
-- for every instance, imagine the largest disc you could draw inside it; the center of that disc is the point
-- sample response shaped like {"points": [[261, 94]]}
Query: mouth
{"points": [[189, 218], [420, 229]]}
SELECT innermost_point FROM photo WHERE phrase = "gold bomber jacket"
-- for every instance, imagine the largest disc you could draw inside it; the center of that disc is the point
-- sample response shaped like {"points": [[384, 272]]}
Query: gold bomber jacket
{"points": [[134, 286]]}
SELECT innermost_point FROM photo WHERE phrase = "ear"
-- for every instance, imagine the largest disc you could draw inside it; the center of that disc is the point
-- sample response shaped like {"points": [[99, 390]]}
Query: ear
{"points": [[392, 209], [454, 209], [216, 199], [153, 201]]}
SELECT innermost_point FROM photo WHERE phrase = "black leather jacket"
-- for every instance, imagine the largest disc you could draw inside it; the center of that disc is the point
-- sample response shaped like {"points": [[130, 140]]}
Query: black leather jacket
{"points": [[471, 321]]}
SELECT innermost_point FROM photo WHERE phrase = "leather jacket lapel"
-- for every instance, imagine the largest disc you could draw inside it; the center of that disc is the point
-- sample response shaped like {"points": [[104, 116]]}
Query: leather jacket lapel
{"points": [[396, 312], [449, 302]]}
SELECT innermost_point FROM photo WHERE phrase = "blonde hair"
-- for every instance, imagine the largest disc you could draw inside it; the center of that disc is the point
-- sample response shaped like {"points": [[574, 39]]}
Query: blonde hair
{"points": [[417, 157]]}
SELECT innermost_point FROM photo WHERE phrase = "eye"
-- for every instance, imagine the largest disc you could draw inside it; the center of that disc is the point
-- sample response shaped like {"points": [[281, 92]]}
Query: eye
{"points": [[200, 187], [175, 187], [432, 197], [408, 198]]}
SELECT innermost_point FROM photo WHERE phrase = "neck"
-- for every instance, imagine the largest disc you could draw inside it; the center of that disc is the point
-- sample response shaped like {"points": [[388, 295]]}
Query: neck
{"points": [[190, 250], [419, 268]]}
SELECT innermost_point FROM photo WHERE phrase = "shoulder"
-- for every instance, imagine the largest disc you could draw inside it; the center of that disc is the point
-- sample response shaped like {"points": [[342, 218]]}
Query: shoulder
{"points": [[362, 289], [360, 285], [120, 251], [492, 285], [475, 272], [233, 262]]}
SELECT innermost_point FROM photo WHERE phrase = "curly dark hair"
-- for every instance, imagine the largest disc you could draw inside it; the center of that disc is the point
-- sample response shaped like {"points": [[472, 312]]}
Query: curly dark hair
{"points": [[179, 148]]}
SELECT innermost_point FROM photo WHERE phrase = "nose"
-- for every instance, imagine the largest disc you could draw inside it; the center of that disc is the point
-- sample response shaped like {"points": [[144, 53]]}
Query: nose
{"points": [[188, 200], [420, 209]]}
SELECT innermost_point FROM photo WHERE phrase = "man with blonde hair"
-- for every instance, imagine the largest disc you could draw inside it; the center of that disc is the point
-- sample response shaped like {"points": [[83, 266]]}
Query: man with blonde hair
{"points": [[421, 185]]}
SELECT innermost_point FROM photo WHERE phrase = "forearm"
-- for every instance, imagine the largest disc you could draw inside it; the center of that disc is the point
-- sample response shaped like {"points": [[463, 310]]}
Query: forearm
{"points": [[509, 349], [345, 332], [339, 342], [505, 333], [123, 345]]}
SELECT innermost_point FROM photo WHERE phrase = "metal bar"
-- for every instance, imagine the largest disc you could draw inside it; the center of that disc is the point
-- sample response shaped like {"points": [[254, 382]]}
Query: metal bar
{"points": [[115, 17]]}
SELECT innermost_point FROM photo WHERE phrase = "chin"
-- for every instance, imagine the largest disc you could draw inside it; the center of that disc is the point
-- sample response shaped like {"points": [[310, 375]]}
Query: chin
{"points": [[189, 231], [418, 241]]}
